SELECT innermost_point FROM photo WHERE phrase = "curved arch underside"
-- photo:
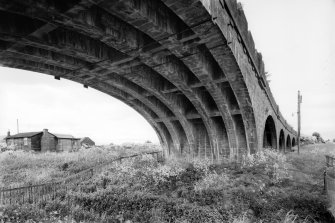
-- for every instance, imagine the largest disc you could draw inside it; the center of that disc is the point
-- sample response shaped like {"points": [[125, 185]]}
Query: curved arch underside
{"points": [[270, 135], [156, 59]]}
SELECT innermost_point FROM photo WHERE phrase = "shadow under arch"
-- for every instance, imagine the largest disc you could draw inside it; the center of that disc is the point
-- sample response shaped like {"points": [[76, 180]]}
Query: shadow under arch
{"points": [[281, 140], [269, 135], [288, 143]]}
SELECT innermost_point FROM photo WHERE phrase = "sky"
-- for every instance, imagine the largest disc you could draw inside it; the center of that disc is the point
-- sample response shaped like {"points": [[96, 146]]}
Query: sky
{"points": [[297, 41], [295, 37], [39, 101]]}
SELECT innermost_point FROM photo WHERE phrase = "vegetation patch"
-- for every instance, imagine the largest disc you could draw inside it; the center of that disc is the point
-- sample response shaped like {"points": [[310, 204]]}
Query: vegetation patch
{"points": [[22, 168], [143, 190]]}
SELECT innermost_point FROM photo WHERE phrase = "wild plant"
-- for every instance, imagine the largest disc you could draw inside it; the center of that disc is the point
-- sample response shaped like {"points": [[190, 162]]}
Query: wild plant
{"points": [[272, 162]]}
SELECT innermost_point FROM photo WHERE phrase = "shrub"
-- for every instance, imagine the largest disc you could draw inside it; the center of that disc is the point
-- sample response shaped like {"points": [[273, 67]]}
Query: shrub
{"points": [[212, 181], [191, 175], [273, 164], [21, 213]]}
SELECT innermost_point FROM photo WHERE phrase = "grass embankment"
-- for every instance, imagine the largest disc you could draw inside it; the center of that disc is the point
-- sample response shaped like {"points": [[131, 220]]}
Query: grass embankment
{"points": [[311, 161], [143, 190], [20, 168]]}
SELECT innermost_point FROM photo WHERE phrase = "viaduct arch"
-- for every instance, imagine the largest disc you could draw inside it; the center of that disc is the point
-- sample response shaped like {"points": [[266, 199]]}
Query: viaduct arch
{"points": [[189, 67], [270, 134], [288, 143]]}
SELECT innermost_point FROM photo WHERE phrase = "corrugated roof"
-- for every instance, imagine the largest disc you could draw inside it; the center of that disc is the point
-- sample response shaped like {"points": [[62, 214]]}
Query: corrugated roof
{"points": [[63, 136], [23, 135], [31, 134]]}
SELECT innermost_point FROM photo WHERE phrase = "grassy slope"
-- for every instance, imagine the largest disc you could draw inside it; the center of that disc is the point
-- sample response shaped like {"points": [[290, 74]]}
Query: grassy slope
{"points": [[146, 191], [311, 160]]}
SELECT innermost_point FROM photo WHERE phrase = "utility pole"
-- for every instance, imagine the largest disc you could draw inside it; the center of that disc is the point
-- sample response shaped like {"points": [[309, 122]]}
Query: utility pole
{"points": [[299, 119], [17, 125]]}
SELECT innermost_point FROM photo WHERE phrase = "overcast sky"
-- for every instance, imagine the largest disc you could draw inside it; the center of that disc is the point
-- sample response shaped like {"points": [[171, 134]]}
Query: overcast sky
{"points": [[296, 38], [39, 101]]}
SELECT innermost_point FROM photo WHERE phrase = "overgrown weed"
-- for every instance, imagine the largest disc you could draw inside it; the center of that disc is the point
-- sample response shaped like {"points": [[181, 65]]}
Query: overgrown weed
{"points": [[143, 190], [20, 168]]}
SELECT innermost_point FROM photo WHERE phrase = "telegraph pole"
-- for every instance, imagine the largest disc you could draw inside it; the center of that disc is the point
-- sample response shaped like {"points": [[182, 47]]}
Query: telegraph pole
{"points": [[299, 119], [17, 125]]}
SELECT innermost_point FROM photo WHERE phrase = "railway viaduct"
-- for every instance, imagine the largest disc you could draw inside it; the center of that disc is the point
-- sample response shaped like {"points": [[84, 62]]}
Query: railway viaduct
{"points": [[189, 67]]}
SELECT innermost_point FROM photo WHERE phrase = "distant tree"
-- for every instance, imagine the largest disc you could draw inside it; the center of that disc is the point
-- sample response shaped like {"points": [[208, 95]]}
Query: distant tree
{"points": [[317, 135], [333, 140]]}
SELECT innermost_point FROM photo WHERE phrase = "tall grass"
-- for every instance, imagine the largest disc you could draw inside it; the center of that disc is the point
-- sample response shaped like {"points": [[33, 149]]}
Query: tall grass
{"points": [[193, 190], [310, 162], [19, 168]]}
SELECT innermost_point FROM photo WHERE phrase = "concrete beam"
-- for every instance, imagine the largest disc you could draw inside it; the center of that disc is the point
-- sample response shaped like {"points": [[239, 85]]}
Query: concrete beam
{"points": [[195, 116], [148, 79], [197, 85], [221, 53], [149, 19]]}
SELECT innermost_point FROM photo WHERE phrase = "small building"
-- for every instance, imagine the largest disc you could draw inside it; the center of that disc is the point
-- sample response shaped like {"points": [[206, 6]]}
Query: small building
{"points": [[86, 141], [42, 141]]}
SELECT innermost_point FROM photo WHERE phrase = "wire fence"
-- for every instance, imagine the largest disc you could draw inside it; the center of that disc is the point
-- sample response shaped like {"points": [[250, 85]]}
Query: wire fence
{"points": [[42, 192]]}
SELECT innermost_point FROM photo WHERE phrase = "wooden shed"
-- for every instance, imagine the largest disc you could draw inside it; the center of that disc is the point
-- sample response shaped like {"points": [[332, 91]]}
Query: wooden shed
{"points": [[43, 141], [25, 141]]}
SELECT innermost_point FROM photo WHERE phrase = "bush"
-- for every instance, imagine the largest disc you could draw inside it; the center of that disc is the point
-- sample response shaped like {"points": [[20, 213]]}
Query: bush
{"points": [[212, 181], [21, 213], [267, 161]]}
